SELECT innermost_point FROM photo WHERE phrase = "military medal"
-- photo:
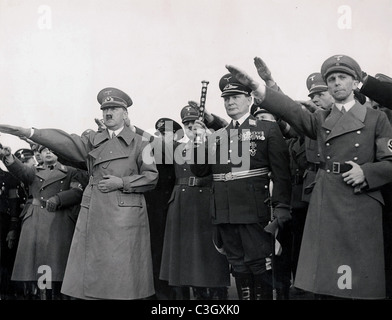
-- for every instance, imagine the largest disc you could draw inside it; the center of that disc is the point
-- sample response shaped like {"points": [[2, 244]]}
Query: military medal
{"points": [[252, 149]]}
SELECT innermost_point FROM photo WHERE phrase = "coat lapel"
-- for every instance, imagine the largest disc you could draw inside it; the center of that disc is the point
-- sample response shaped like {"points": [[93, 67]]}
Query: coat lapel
{"points": [[51, 176], [339, 123], [111, 148]]}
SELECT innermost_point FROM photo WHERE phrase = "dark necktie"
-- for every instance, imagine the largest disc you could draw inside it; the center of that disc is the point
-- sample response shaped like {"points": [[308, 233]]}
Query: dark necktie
{"points": [[236, 125], [343, 109], [113, 135], [51, 167]]}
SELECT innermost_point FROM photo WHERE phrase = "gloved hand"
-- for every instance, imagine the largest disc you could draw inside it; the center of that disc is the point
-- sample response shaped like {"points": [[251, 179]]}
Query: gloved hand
{"points": [[282, 215], [53, 203], [15, 131]]}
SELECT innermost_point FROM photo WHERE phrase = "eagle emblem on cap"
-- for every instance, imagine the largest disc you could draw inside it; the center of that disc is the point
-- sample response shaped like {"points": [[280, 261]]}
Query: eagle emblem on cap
{"points": [[312, 78], [338, 58], [227, 79]]}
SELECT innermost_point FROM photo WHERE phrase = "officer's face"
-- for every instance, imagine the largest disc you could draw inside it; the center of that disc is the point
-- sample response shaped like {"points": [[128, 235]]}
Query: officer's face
{"points": [[265, 116], [323, 100], [341, 86], [237, 105], [48, 156], [188, 125], [114, 117]]}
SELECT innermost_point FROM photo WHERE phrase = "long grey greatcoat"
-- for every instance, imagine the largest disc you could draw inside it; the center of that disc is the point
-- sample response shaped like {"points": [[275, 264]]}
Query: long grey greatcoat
{"points": [[45, 236], [342, 246], [110, 256]]}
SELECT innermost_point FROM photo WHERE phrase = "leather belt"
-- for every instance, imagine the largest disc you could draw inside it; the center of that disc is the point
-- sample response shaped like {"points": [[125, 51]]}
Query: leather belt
{"points": [[194, 181], [335, 167], [311, 166], [240, 174], [39, 202]]}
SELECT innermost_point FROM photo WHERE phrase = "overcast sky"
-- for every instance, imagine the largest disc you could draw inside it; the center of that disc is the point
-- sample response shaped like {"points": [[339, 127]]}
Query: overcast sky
{"points": [[56, 55]]}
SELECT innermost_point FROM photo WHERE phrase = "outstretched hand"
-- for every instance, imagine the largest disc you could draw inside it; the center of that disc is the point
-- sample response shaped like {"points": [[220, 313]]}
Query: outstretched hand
{"points": [[243, 77], [262, 69], [15, 131]]}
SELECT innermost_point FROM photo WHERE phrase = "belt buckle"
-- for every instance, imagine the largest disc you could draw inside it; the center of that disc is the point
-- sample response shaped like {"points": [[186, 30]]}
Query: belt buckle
{"points": [[191, 181], [228, 176], [336, 167]]}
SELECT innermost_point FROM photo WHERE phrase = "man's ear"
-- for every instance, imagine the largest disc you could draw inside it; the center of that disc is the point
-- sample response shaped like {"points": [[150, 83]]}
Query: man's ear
{"points": [[355, 84]]}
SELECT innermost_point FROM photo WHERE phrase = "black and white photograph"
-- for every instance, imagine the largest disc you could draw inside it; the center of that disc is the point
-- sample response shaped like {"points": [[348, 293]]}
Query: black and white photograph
{"points": [[190, 155]]}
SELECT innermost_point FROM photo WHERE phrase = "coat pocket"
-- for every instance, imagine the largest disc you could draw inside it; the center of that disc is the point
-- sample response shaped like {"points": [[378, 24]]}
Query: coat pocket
{"points": [[130, 199]]}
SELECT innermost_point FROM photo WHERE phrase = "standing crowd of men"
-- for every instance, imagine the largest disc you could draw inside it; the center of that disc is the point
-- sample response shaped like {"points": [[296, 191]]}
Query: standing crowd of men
{"points": [[285, 196]]}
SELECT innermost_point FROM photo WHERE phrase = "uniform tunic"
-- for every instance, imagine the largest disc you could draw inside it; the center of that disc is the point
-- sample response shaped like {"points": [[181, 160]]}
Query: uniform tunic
{"points": [[343, 231], [255, 145], [45, 236], [110, 256], [189, 256]]}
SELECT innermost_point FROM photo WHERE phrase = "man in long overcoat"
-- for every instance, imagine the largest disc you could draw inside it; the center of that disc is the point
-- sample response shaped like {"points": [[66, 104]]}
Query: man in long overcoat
{"points": [[110, 255], [342, 247]]}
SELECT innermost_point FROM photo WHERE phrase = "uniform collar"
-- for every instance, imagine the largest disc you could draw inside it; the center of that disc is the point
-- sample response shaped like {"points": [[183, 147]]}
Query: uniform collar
{"points": [[117, 132], [347, 105], [241, 120]]}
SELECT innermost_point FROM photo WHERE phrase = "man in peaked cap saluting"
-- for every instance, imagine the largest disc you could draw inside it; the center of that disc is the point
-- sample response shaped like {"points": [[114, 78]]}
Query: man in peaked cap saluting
{"points": [[318, 91], [355, 145], [244, 153], [189, 257], [110, 256]]}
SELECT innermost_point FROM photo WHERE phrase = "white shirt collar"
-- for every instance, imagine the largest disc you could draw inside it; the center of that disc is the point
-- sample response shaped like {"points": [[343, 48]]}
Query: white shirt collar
{"points": [[117, 132], [347, 105], [242, 119]]}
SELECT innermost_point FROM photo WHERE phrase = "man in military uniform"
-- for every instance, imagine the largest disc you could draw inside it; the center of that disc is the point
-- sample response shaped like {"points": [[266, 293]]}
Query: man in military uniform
{"points": [[157, 199], [110, 255], [379, 90], [241, 157], [342, 248], [10, 208]]}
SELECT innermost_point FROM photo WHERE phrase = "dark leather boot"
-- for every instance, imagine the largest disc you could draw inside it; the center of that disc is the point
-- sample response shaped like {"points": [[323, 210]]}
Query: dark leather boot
{"points": [[200, 293], [220, 293], [263, 286], [283, 293], [244, 284]]}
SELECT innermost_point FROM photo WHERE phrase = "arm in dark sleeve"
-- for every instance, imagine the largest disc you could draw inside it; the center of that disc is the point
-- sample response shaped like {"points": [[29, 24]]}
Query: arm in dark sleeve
{"points": [[292, 112], [69, 146], [21, 171], [279, 160], [216, 123], [379, 91], [379, 173], [74, 194], [200, 166]]}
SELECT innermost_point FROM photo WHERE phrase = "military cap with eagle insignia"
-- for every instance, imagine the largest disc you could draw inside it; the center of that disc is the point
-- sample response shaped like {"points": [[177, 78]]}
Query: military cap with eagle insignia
{"points": [[112, 97], [229, 85], [341, 63], [315, 83], [166, 124], [189, 113], [24, 154]]}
